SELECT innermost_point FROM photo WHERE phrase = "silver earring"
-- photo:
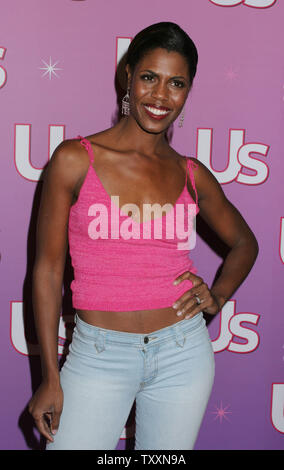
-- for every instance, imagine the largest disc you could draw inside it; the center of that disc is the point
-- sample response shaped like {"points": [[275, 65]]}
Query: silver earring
{"points": [[180, 124], [125, 108]]}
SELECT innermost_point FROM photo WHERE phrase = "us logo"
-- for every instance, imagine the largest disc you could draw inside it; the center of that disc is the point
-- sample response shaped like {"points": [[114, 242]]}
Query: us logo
{"points": [[248, 3]]}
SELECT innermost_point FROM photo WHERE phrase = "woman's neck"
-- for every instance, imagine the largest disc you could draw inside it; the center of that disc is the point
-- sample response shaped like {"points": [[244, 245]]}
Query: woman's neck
{"points": [[127, 130]]}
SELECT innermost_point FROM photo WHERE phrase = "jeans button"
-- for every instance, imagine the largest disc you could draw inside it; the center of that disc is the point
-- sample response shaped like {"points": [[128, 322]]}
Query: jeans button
{"points": [[146, 340]]}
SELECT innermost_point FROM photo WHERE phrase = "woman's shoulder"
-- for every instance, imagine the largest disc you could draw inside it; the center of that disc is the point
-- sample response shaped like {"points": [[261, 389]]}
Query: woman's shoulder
{"points": [[206, 183], [69, 162], [71, 152], [196, 164]]}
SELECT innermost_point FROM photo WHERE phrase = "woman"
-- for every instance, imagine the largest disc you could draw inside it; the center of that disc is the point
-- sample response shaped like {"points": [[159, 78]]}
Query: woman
{"points": [[137, 335]]}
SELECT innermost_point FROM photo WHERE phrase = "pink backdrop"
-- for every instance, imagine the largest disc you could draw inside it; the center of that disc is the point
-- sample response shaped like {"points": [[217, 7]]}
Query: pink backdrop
{"points": [[57, 80]]}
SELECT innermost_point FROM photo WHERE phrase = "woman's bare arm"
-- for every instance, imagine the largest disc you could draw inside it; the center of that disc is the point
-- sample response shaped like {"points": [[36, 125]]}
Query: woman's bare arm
{"points": [[227, 222], [60, 179]]}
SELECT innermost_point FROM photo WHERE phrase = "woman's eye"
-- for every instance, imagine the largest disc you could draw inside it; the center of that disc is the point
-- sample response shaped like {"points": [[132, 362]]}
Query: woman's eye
{"points": [[147, 77], [178, 83]]}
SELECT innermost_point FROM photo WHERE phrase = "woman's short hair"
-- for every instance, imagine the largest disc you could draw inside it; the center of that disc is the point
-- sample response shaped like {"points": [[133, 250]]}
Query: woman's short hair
{"points": [[166, 35]]}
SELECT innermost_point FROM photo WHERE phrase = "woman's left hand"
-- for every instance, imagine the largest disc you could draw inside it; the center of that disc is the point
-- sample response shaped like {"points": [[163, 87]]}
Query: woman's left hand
{"points": [[188, 304]]}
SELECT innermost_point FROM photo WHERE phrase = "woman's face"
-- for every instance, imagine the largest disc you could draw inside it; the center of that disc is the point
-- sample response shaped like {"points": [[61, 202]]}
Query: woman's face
{"points": [[158, 89]]}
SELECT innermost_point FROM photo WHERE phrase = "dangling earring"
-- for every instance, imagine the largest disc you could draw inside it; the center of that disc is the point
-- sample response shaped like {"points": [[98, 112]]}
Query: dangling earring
{"points": [[125, 108], [180, 124]]}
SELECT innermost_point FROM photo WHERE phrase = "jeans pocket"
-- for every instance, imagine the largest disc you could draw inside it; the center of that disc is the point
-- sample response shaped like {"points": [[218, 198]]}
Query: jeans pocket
{"points": [[87, 344]]}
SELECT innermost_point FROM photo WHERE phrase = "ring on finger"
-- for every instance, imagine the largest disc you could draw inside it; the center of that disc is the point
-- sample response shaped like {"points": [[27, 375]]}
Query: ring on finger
{"points": [[198, 301]]}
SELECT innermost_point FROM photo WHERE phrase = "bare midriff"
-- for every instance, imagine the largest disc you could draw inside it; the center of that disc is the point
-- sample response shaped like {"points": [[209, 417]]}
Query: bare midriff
{"points": [[136, 321]]}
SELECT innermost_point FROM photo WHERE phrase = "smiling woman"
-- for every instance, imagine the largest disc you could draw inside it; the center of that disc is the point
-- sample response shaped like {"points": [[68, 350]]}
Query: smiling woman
{"points": [[138, 335]]}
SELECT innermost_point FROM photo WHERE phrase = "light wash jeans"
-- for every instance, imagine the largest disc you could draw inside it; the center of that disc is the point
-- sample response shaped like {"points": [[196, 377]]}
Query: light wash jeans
{"points": [[170, 372]]}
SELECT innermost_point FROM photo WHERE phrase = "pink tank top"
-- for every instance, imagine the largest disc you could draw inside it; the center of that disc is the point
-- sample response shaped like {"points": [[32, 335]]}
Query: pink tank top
{"points": [[120, 264]]}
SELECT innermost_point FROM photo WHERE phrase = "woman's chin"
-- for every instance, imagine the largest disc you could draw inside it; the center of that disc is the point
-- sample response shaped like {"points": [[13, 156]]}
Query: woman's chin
{"points": [[153, 128]]}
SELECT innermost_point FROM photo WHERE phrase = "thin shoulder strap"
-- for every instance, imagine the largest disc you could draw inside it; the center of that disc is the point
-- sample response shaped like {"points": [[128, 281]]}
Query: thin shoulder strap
{"points": [[192, 166], [88, 146]]}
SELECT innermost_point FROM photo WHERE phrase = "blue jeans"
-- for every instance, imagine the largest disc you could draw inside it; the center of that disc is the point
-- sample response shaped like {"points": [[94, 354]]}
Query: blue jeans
{"points": [[169, 372]]}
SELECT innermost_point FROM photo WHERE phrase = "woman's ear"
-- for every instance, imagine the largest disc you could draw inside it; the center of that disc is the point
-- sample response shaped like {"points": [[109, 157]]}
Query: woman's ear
{"points": [[128, 73]]}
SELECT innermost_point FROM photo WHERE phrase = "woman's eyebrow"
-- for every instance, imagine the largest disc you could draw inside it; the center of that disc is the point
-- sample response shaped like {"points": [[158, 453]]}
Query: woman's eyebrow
{"points": [[156, 74], [150, 71]]}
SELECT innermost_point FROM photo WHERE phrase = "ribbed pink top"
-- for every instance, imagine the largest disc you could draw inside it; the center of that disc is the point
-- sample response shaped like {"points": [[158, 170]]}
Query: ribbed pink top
{"points": [[120, 264]]}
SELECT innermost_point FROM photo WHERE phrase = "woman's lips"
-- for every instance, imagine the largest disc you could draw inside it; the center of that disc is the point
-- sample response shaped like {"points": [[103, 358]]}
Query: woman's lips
{"points": [[156, 113]]}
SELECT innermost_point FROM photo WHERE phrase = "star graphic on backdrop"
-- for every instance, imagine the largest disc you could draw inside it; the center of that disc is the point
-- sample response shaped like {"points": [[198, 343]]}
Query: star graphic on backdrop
{"points": [[50, 68], [221, 412], [230, 73]]}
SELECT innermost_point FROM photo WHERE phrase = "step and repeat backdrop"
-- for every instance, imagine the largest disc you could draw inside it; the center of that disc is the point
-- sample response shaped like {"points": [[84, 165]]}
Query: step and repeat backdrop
{"points": [[59, 77]]}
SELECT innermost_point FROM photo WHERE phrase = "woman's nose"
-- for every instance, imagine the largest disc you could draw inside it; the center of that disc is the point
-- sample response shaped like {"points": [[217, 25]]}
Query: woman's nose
{"points": [[160, 91]]}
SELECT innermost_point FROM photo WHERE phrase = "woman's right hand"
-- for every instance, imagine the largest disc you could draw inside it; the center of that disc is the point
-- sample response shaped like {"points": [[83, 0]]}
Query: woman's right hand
{"points": [[46, 405]]}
